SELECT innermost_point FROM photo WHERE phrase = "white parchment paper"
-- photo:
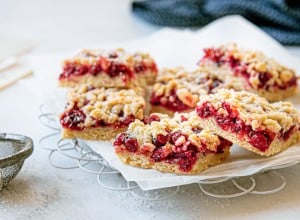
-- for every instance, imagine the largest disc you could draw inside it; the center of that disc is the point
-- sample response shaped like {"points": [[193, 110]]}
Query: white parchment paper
{"points": [[170, 48]]}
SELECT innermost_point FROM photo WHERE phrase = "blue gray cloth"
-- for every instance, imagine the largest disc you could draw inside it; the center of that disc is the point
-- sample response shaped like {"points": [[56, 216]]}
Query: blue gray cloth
{"points": [[279, 18]]}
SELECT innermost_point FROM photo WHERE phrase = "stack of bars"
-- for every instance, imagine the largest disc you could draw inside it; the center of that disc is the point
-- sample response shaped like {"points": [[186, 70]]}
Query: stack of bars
{"points": [[234, 96], [107, 94]]}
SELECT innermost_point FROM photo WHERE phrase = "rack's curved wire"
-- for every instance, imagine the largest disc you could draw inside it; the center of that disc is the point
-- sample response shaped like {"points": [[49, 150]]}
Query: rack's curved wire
{"points": [[84, 156], [242, 192], [276, 189]]}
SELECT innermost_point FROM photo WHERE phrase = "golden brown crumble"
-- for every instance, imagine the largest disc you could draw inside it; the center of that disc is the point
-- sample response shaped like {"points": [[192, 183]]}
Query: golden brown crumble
{"points": [[119, 55], [188, 86], [257, 62], [111, 105], [144, 133], [255, 110]]}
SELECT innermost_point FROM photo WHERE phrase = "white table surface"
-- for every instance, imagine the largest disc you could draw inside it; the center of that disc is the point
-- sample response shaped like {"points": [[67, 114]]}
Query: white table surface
{"points": [[43, 192]]}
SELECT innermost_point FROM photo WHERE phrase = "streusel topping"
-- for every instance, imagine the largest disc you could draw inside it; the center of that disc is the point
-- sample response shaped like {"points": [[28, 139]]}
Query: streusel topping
{"points": [[110, 105], [167, 74], [255, 110], [188, 86], [186, 123], [261, 70], [119, 56]]}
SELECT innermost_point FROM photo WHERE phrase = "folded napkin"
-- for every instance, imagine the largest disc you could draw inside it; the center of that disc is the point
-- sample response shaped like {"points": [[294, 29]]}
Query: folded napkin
{"points": [[13, 66], [279, 18]]}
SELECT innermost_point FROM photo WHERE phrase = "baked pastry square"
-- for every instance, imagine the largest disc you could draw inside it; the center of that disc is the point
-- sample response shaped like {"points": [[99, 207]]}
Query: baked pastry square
{"points": [[108, 68], [100, 113], [177, 90], [175, 145], [256, 72], [250, 121]]}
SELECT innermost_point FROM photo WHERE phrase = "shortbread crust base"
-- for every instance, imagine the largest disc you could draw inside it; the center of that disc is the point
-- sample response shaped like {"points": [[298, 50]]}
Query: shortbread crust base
{"points": [[202, 163], [100, 133]]}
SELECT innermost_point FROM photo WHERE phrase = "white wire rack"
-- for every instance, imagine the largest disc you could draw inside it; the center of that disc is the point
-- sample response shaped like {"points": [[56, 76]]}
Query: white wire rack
{"points": [[84, 158]]}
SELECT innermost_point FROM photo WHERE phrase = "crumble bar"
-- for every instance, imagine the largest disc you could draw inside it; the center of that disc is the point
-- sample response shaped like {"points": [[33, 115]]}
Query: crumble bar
{"points": [[250, 120], [108, 68], [177, 90], [257, 73], [176, 145], [100, 113]]}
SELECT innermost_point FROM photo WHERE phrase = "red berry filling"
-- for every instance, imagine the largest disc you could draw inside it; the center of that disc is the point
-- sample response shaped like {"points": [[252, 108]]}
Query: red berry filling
{"points": [[257, 138], [111, 68], [185, 160], [184, 154], [261, 139], [176, 135], [161, 140], [171, 102], [128, 120], [120, 139], [240, 69], [224, 144], [117, 69], [286, 135], [205, 110], [130, 143], [142, 67], [159, 154], [219, 57], [151, 118], [263, 79], [72, 118], [183, 118], [290, 83]]}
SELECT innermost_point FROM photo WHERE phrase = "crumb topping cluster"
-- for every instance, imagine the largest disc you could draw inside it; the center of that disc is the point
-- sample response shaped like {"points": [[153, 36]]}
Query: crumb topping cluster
{"points": [[118, 55], [260, 70], [185, 123], [185, 86], [111, 62], [107, 105], [255, 110]]}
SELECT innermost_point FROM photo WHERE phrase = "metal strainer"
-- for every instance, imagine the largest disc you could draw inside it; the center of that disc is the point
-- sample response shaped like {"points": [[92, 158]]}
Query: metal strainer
{"points": [[14, 149]]}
